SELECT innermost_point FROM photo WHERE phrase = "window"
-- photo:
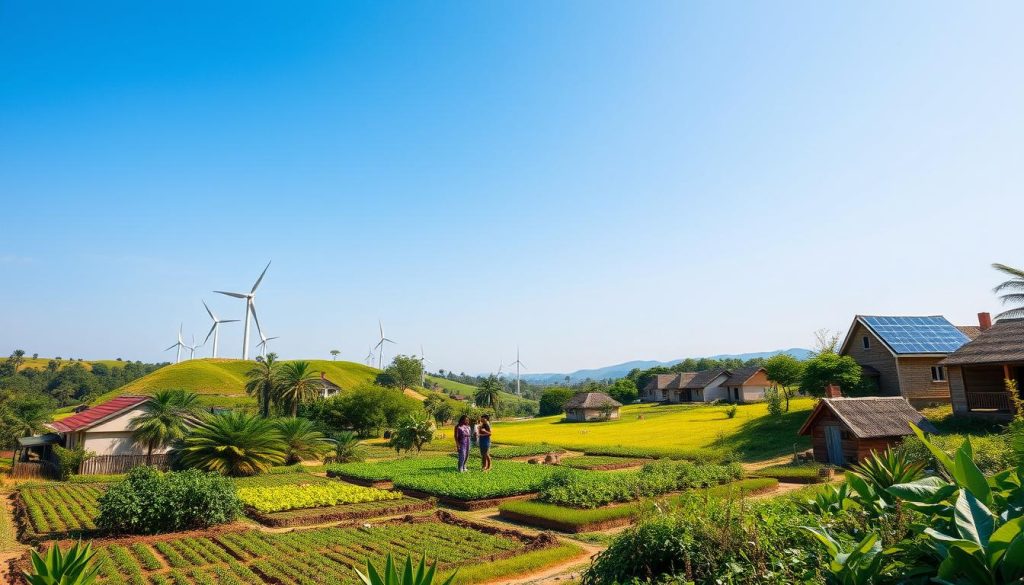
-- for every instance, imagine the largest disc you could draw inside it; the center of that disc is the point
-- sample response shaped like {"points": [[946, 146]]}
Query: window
{"points": [[938, 374], [865, 342]]}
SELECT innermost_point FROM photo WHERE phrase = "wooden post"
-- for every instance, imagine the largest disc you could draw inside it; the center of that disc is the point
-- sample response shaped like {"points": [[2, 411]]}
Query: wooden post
{"points": [[1006, 372]]}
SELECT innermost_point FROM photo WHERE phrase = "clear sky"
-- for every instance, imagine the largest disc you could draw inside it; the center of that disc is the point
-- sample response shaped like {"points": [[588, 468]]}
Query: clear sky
{"points": [[594, 181]]}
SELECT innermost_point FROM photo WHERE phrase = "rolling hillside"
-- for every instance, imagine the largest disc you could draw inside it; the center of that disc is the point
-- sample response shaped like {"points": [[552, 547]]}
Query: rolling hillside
{"points": [[40, 363], [453, 386], [221, 382]]}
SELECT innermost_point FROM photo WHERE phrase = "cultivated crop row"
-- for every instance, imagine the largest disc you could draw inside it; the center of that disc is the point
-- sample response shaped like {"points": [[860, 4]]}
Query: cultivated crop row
{"points": [[278, 498], [61, 508]]}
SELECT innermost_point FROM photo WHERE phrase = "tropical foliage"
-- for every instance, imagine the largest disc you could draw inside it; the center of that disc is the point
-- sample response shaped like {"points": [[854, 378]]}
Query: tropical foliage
{"points": [[1011, 291], [165, 418], [233, 443], [296, 383], [261, 382], [391, 574], [302, 441], [56, 567], [488, 395], [412, 433]]}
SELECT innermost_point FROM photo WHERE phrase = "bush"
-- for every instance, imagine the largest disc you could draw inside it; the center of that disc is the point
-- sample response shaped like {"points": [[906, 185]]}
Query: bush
{"points": [[793, 473], [70, 460], [992, 453], [149, 502], [553, 400], [367, 410], [730, 411], [773, 399]]}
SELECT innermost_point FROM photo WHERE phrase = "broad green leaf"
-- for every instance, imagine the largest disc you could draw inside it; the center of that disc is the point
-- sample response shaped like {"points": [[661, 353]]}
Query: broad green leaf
{"points": [[970, 477], [928, 490], [1002, 537], [1012, 567], [939, 454], [973, 520], [824, 538], [972, 566]]}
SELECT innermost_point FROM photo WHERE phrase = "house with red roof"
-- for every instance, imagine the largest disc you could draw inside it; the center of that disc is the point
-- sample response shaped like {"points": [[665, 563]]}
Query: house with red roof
{"points": [[103, 429]]}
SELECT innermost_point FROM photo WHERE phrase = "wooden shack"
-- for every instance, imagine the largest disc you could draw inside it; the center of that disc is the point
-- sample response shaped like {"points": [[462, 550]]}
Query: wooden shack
{"points": [[845, 431]]}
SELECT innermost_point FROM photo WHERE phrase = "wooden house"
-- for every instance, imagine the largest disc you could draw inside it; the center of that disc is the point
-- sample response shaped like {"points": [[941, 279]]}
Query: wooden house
{"points": [[978, 371], [845, 431]]}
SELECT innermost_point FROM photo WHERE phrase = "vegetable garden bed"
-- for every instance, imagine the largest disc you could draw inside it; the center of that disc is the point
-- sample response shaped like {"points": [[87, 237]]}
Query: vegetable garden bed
{"points": [[346, 512], [57, 510], [602, 462], [307, 556], [789, 473], [281, 498]]}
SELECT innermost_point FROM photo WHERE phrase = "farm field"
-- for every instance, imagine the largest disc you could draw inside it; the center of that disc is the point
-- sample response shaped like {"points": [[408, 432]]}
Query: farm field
{"points": [[221, 382], [752, 433], [320, 555]]}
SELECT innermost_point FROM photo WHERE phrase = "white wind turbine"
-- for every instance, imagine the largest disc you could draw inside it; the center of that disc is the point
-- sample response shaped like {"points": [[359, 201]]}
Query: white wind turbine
{"points": [[179, 344], [215, 330], [192, 348], [380, 346], [369, 356], [518, 364], [263, 342], [423, 368], [250, 309]]}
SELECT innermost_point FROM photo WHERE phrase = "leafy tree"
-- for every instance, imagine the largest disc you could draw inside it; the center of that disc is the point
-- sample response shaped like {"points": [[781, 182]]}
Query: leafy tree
{"points": [[165, 419], [334, 354], [261, 382], [233, 443], [440, 408], [553, 400], [489, 392], [17, 358], [413, 431], [785, 372], [403, 372], [69, 461], [830, 368], [1012, 291], [367, 410], [623, 390], [24, 415], [302, 441], [297, 382]]}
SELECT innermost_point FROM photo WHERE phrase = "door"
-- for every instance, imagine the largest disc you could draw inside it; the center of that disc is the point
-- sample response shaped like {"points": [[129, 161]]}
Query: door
{"points": [[834, 443]]}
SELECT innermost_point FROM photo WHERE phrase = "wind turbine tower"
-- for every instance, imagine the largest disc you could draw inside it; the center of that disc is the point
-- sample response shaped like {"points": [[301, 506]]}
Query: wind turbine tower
{"points": [[215, 330], [179, 344], [263, 342], [250, 310], [192, 348], [380, 346], [518, 364], [369, 356], [423, 368]]}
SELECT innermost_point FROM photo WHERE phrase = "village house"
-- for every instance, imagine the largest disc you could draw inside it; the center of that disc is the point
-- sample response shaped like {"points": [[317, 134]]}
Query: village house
{"points": [[591, 406], [845, 431], [327, 388], [978, 371], [900, 356], [746, 384]]}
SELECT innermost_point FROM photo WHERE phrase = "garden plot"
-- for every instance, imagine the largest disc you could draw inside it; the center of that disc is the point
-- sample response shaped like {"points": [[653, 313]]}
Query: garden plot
{"points": [[602, 462], [437, 477], [57, 510], [318, 555], [316, 504], [342, 513]]}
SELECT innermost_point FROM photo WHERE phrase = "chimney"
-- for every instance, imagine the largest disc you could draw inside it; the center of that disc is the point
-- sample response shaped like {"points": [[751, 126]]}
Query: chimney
{"points": [[833, 391], [323, 375], [984, 321]]}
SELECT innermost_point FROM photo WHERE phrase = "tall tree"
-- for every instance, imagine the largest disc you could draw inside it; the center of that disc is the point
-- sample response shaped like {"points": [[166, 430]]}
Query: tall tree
{"points": [[489, 392], [165, 418], [784, 371], [17, 358], [297, 382], [334, 354], [261, 382], [1012, 291], [403, 372], [830, 368]]}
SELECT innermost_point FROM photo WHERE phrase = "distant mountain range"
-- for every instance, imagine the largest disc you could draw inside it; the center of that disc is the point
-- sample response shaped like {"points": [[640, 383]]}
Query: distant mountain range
{"points": [[620, 370]]}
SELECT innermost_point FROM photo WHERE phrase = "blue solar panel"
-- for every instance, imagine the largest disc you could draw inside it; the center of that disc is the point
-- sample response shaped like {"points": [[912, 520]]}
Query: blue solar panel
{"points": [[917, 334]]}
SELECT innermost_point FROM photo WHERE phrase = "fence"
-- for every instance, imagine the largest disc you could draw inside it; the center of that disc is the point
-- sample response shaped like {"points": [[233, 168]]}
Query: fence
{"points": [[34, 470], [110, 464]]}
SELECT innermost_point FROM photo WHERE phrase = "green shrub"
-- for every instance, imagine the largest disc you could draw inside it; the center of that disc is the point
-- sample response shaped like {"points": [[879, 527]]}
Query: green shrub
{"points": [[69, 460], [574, 517], [794, 473], [148, 502], [992, 453], [553, 400], [730, 411]]}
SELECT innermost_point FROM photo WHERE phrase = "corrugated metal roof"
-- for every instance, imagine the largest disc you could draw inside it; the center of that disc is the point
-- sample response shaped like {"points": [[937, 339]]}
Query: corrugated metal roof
{"points": [[90, 417]]}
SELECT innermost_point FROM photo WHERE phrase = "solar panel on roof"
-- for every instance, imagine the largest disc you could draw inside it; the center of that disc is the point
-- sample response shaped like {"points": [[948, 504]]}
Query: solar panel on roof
{"points": [[918, 334]]}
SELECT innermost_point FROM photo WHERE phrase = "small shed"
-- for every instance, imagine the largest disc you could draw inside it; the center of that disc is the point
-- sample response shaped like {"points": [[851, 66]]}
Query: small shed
{"points": [[591, 406], [846, 430]]}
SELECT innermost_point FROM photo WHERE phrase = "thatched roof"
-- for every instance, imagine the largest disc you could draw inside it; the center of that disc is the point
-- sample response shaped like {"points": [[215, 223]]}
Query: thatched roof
{"points": [[591, 400], [1002, 343], [867, 418]]}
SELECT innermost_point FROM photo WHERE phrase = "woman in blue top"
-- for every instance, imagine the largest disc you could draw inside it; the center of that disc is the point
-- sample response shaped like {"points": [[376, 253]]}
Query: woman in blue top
{"points": [[484, 434]]}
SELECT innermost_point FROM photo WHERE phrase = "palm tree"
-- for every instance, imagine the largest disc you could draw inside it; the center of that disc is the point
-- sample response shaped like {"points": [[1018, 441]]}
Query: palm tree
{"points": [[297, 382], [234, 443], [1013, 291], [17, 358], [28, 417], [489, 393], [165, 418], [261, 382], [302, 440]]}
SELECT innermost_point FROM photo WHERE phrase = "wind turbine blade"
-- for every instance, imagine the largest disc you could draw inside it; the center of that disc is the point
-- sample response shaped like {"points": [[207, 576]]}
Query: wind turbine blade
{"points": [[252, 307], [208, 311], [260, 279], [275, 337], [381, 325], [210, 333], [232, 294], [379, 343], [172, 347], [387, 340], [229, 321]]}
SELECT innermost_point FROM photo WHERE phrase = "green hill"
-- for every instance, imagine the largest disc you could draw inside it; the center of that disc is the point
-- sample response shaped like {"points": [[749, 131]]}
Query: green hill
{"points": [[221, 382], [41, 363], [522, 406], [453, 386]]}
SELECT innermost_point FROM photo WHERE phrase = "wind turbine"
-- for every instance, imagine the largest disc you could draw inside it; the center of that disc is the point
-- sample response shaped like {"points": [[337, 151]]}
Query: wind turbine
{"points": [[380, 346], [250, 309], [369, 356], [192, 348], [518, 364], [215, 330], [423, 368], [263, 342], [180, 344]]}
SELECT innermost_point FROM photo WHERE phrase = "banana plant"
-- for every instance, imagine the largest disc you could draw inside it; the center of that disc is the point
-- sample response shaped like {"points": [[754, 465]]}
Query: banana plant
{"points": [[391, 575], [69, 568], [980, 551], [861, 565]]}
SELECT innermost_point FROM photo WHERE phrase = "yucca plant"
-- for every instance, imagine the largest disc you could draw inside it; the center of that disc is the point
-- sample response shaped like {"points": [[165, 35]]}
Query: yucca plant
{"points": [[234, 443], [888, 469], [423, 575], [68, 568]]}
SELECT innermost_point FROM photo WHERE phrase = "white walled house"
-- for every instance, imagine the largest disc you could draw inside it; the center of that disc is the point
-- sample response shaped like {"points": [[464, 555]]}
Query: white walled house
{"points": [[103, 429], [747, 384], [707, 386]]}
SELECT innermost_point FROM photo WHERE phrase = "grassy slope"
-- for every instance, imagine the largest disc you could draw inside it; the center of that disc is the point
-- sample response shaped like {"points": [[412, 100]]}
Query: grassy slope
{"points": [[40, 363], [756, 435], [221, 382], [453, 386]]}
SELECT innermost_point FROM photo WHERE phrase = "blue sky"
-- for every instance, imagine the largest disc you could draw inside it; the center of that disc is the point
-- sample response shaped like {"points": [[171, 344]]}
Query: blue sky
{"points": [[593, 181]]}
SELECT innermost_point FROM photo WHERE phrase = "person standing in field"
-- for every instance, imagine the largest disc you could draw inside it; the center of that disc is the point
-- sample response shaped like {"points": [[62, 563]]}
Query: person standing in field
{"points": [[484, 440], [462, 432]]}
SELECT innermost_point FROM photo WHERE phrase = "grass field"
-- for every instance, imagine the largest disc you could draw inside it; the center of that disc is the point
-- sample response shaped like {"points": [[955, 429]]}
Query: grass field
{"points": [[221, 382], [752, 433], [40, 363], [453, 386]]}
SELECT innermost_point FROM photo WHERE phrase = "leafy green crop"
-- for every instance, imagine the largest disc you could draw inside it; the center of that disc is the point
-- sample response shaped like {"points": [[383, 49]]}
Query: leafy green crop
{"points": [[276, 499]]}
